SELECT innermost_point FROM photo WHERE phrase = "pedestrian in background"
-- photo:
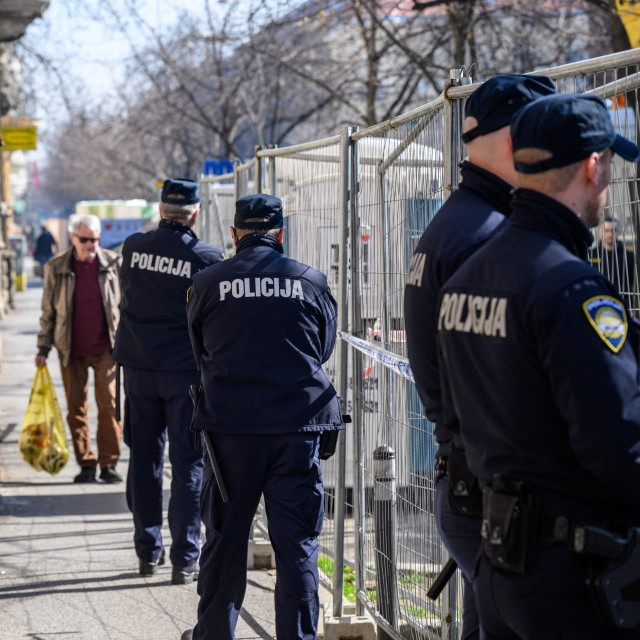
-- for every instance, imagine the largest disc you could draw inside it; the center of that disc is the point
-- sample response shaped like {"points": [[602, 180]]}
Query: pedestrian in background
{"points": [[80, 299], [473, 214], [44, 249], [540, 370], [153, 346], [614, 260], [261, 326]]}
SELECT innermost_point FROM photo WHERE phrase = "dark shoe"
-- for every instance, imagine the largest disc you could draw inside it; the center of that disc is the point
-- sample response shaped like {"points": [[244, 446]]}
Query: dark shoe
{"points": [[184, 575], [187, 635], [110, 475], [151, 568], [87, 474]]}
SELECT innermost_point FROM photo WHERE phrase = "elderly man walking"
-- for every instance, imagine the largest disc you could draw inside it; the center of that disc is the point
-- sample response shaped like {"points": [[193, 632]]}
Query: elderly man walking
{"points": [[80, 299]]}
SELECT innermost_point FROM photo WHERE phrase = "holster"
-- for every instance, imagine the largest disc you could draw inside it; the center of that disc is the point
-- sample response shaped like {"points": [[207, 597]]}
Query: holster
{"points": [[329, 439], [614, 583], [510, 525], [464, 494], [327, 447]]}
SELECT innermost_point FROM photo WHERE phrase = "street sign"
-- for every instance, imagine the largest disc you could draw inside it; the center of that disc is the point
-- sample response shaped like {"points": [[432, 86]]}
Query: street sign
{"points": [[629, 12], [15, 138], [217, 167]]}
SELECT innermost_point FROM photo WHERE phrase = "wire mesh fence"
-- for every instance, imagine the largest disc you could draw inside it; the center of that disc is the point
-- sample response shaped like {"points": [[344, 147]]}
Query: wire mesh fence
{"points": [[355, 207]]}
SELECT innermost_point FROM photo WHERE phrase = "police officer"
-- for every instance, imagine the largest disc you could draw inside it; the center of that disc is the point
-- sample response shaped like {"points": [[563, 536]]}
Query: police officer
{"points": [[541, 378], [261, 326], [153, 345], [474, 213]]}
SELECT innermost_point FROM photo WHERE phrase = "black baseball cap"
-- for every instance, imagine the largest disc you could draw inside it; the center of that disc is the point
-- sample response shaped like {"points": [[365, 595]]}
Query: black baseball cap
{"points": [[260, 205], [495, 102], [180, 191], [570, 127]]}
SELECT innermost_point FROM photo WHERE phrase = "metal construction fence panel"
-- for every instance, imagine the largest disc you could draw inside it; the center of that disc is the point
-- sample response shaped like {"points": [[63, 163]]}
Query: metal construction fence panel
{"points": [[355, 206]]}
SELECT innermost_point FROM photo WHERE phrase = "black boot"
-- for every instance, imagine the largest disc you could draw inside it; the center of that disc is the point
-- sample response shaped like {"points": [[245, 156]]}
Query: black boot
{"points": [[151, 568], [110, 475], [87, 474], [184, 575]]}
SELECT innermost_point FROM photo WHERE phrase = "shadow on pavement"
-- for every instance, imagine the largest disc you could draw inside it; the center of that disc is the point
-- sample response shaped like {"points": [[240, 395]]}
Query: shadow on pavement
{"points": [[7, 430], [85, 504], [64, 534], [254, 624], [78, 585], [35, 483]]}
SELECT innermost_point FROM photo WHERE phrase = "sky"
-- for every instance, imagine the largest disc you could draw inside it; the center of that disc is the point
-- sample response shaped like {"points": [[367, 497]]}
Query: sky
{"points": [[88, 52], [92, 49]]}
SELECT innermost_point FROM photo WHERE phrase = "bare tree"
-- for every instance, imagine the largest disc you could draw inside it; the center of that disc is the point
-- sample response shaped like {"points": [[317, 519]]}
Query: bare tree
{"points": [[261, 72]]}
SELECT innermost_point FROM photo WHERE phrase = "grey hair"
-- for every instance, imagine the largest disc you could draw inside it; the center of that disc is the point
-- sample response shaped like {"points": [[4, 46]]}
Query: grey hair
{"points": [[173, 211], [84, 219]]}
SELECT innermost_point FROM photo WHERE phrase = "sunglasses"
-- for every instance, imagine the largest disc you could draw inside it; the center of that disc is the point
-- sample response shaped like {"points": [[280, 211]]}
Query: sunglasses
{"points": [[83, 239]]}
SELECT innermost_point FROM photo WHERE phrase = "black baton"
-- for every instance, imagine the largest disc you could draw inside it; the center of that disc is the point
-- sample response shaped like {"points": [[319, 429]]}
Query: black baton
{"points": [[446, 573], [118, 413], [194, 392], [217, 472]]}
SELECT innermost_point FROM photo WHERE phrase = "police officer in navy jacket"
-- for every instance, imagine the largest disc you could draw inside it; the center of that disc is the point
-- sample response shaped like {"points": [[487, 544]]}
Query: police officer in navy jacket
{"points": [[473, 214], [261, 326], [540, 372], [153, 346]]}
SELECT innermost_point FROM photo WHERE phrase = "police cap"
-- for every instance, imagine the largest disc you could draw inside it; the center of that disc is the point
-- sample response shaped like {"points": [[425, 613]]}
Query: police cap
{"points": [[496, 101], [570, 127], [261, 205], [180, 191]]}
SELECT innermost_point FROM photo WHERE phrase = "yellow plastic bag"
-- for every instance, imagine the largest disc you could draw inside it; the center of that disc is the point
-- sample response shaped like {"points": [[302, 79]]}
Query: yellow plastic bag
{"points": [[43, 441]]}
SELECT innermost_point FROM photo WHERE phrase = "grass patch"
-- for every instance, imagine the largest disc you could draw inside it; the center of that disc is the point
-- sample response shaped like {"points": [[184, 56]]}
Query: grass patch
{"points": [[325, 565]]}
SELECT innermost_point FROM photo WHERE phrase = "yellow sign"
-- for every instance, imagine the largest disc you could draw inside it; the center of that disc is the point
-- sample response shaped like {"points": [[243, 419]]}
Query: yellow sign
{"points": [[629, 12], [15, 138]]}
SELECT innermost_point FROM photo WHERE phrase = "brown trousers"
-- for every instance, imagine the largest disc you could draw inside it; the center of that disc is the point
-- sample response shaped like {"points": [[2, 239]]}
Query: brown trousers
{"points": [[75, 377]]}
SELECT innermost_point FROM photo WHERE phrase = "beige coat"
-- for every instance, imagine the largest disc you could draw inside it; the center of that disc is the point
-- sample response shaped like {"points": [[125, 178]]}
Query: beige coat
{"points": [[57, 300]]}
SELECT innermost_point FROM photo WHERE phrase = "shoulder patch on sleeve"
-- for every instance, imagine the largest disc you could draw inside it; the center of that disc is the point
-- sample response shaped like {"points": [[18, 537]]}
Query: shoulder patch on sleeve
{"points": [[609, 319]]}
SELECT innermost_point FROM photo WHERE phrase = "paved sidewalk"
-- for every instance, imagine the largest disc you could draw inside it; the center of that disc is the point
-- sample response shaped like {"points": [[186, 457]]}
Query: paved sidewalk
{"points": [[68, 570]]}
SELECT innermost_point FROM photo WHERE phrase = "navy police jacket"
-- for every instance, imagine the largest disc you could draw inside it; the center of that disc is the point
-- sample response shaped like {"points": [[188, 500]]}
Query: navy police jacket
{"points": [[261, 327], [540, 363], [473, 214], [157, 268]]}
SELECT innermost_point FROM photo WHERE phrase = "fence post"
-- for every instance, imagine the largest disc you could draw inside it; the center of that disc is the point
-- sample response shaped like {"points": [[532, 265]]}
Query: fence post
{"points": [[384, 510], [450, 160], [213, 196], [205, 211], [341, 369], [236, 180], [357, 329], [272, 171], [384, 489], [452, 131], [258, 181]]}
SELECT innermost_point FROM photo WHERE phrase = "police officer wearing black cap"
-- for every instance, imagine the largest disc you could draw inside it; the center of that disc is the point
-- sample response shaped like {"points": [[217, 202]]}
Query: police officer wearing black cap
{"points": [[473, 214], [540, 378], [261, 326], [153, 346]]}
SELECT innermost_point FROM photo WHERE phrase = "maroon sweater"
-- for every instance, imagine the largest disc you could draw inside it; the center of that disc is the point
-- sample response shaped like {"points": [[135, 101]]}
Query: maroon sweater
{"points": [[89, 333]]}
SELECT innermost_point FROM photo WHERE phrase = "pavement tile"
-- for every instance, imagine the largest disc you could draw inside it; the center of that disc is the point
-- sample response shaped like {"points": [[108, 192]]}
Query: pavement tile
{"points": [[68, 570]]}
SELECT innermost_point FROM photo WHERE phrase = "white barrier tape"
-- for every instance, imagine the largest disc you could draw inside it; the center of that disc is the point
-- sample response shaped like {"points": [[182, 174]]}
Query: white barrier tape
{"points": [[392, 361]]}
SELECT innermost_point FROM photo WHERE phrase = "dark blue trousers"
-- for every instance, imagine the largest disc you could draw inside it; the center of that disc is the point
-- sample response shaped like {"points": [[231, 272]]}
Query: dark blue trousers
{"points": [[461, 537], [550, 604], [158, 402], [285, 468]]}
